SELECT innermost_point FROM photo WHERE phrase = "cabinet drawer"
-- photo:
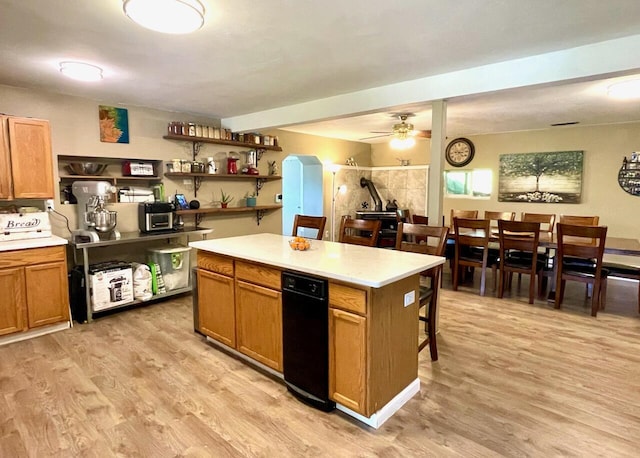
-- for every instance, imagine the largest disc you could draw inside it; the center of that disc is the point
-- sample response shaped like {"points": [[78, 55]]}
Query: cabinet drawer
{"points": [[258, 274], [31, 256], [347, 298], [215, 263]]}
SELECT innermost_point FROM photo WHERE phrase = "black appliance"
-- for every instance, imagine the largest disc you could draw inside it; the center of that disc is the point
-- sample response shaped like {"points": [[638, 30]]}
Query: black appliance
{"points": [[157, 216], [305, 338], [388, 229]]}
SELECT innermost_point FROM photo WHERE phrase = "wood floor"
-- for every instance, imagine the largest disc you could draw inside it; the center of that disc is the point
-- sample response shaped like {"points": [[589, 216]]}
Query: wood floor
{"points": [[513, 379]]}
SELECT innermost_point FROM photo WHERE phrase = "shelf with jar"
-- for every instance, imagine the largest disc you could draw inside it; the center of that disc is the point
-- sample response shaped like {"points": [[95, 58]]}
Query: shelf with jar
{"points": [[200, 212], [198, 177]]}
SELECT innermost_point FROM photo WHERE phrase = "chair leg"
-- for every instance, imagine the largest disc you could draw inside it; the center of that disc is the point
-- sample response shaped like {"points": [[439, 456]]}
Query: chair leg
{"points": [[595, 298], [501, 283], [456, 272], [603, 294], [494, 268], [483, 278], [532, 284], [431, 330], [559, 292]]}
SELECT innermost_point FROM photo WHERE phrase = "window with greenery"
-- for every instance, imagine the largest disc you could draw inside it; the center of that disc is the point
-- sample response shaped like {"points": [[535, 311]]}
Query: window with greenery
{"points": [[470, 183]]}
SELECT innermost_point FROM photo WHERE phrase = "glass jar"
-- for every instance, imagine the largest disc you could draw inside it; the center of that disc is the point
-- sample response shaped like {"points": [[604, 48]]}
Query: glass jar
{"points": [[198, 130], [192, 129]]}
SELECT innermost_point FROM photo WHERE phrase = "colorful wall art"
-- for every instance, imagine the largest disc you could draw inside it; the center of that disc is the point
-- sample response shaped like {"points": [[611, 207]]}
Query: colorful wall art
{"points": [[554, 177], [114, 124]]}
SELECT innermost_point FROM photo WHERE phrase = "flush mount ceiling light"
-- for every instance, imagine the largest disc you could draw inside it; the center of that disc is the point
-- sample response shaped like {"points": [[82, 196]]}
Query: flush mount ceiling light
{"points": [[624, 90], [81, 71], [166, 16]]}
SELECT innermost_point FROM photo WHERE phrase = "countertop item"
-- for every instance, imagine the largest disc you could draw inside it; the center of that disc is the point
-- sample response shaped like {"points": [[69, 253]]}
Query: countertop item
{"points": [[32, 243], [375, 267]]}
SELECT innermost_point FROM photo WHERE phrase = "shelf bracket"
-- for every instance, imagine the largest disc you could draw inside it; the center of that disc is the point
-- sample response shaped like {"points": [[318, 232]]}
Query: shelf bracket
{"points": [[259, 183], [196, 149], [197, 182], [198, 219], [259, 153], [259, 215]]}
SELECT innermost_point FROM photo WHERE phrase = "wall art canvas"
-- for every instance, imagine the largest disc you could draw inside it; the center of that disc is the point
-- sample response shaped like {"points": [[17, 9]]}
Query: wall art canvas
{"points": [[114, 124], [554, 177]]}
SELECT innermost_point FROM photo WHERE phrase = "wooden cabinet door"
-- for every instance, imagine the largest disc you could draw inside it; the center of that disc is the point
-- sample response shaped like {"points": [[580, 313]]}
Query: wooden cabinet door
{"points": [[6, 184], [259, 314], [31, 158], [216, 307], [47, 293], [347, 360], [12, 304]]}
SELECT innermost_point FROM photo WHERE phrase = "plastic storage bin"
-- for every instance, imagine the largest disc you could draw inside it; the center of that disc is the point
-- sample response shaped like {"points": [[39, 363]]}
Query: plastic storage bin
{"points": [[174, 265]]}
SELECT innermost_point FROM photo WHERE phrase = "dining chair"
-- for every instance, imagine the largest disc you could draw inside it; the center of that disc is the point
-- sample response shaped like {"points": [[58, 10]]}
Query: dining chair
{"points": [[434, 239], [548, 219], [579, 220], [583, 242], [403, 215], [519, 253], [309, 222], [449, 251], [547, 225], [419, 219], [497, 216], [363, 232], [471, 234]]}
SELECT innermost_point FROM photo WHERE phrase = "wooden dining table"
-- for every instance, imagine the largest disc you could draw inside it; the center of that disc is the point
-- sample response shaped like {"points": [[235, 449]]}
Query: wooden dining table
{"points": [[612, 245]]}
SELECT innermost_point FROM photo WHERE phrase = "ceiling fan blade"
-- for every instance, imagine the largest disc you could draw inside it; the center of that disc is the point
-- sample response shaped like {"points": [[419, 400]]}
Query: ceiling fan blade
{"points": [[423, 133], [375, 136], [380, 132]]}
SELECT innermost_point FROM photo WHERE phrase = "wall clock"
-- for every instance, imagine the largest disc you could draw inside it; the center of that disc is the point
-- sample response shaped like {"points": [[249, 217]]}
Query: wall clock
{"points": [[459, 152]]}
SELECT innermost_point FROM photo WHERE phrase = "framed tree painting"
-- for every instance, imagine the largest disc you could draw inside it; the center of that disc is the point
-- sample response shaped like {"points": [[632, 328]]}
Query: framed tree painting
{"points": [[554, 177], [114, 124]]}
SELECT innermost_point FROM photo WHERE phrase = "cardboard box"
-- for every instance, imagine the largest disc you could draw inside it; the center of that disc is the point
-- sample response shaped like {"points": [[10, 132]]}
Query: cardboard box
{"points": [[111, 285]]}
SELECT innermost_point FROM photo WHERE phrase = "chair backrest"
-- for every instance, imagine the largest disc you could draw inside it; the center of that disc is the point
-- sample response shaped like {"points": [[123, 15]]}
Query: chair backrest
{"points": [[310, 222], [434, 237], [518, 235], [497, 216], [359, 231], [403, 215], [542, 218], [468, 214], [578, 241], [472, 232], [579, 220], [419, 219]]}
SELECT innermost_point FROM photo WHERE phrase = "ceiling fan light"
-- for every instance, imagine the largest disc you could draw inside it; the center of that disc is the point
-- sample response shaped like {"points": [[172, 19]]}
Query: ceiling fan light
{"points": [[80, 71], [625, 90], [166, 16], [402, 143]]}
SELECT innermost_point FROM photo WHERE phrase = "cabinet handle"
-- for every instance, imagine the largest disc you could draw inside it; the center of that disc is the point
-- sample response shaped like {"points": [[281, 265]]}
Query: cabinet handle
{"points": [[346, 316]]}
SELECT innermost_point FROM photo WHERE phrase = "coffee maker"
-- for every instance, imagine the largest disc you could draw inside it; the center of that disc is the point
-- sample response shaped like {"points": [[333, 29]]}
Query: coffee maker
{"points": [[95, 221]]}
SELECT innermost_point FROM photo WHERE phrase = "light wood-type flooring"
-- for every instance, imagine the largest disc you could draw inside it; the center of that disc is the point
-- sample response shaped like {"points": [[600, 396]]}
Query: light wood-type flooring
{"points": [[513, 379]]}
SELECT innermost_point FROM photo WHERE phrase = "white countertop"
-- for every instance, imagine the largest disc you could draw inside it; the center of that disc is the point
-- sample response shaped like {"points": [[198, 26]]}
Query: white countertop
{"points": [[360, 265], [25, 244]]}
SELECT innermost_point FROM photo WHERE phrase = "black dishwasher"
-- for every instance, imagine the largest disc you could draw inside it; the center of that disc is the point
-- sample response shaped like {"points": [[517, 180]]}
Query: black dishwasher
{"points": [[305, 338]]}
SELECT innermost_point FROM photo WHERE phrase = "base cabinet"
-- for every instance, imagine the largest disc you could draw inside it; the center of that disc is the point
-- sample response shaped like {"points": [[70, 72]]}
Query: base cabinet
{"points": [[217, 313], [34, 284], [259, 315], [347, 359], [12, 312], [26, 162]]}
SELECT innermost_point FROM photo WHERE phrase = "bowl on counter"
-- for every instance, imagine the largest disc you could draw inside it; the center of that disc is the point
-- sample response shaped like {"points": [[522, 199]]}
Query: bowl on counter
{"points": [[86, 168], [299, 244]]}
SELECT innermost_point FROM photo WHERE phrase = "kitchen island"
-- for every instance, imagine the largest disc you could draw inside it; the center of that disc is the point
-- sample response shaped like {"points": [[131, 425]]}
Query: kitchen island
{"points": [[372, 306]]}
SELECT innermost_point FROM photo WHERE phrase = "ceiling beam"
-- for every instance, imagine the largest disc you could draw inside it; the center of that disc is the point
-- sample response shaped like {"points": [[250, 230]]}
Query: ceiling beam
{"points": [[584, 62]]}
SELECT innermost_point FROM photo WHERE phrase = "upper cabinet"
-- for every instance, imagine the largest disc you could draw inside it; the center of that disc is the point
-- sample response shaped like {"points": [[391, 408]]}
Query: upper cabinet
{"points": [[26, 169]]}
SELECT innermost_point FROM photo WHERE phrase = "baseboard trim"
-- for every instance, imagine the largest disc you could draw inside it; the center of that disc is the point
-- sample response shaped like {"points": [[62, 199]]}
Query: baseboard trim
{"points": [[32, 333], [377, 419]]}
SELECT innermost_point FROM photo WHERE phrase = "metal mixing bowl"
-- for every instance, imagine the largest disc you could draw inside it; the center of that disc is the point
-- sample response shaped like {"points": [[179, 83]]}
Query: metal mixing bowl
{"points": [[86, 168]]}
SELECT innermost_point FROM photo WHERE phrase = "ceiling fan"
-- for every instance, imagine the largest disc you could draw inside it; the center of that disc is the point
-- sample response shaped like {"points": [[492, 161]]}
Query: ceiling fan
{"points": [[401, 130]]}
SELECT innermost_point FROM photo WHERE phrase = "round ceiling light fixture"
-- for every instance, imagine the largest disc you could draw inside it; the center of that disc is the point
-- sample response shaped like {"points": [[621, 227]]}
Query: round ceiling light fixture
{"points": [[80, 71], [629, 89], [402, 143], [166, 16]]}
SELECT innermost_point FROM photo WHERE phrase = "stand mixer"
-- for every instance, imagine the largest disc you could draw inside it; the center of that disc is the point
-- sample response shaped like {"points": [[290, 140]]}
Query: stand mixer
{"points": [[96, 222]]}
